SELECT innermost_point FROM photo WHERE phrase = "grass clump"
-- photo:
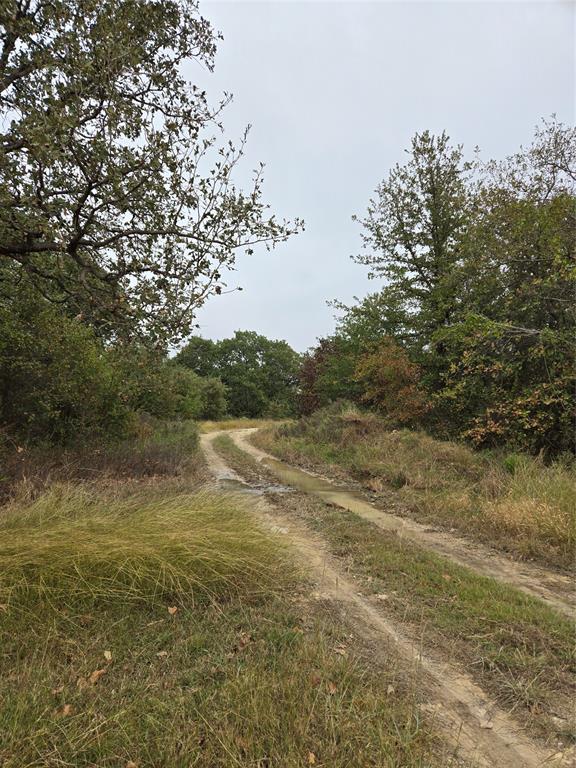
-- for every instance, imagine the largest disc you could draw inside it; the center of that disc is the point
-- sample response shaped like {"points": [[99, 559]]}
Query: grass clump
{"points": [[516, 503], [72, 545], [168, 630]]}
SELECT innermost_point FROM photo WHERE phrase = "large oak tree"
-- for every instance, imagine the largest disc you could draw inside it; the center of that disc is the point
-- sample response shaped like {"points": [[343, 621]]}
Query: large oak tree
{"points": [[115, 198]]}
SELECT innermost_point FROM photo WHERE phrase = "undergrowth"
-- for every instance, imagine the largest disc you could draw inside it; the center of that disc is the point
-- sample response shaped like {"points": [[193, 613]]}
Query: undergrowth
{"points": [[157, 449]]}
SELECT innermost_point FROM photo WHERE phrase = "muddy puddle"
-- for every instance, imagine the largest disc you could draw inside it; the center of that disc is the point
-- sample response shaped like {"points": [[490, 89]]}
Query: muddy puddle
{"points": [[239, 486], [339, 495]]}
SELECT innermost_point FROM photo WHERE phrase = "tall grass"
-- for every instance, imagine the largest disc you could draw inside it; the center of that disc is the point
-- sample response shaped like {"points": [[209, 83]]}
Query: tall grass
{"points": [[515, 502], [73, 545], [157, 449]]}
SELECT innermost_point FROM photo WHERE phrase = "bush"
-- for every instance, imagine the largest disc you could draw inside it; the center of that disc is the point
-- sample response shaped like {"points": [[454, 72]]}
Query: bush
{"points": [[57, 382]]}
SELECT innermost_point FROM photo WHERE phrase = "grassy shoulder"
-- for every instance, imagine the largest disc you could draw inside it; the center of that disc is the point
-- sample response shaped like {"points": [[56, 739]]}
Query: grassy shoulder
{"points": [[157, 624], [515, 646], [515, 503]]}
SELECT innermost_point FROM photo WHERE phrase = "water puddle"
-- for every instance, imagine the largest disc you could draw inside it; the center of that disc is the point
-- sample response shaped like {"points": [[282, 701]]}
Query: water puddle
{"points": [[340, 496], [239, 486]]}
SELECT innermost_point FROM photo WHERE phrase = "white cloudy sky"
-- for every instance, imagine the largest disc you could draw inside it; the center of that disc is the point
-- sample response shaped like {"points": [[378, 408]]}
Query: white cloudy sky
{"points": [[334, 91]]}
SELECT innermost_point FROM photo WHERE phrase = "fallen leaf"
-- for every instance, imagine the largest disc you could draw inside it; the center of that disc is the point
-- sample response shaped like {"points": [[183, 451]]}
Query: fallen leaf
{"points": [[56, 691], [315, 679], [339, 649], [332, 688], [311, 758], [108, 655], [446, 577], [244, 639], [172, 609], [242, 743], [64, 711], [131, 764], [390, 690], [96, 675], [162, 654]]}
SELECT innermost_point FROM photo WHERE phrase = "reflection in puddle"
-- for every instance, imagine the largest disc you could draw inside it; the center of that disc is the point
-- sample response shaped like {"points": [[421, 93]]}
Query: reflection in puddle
{"points": [[239, 486]]}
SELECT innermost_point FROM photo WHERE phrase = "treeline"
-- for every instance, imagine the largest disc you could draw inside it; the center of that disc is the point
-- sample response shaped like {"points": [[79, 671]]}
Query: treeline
{"points": [[260, 375], [473, 333], [61, 384]]}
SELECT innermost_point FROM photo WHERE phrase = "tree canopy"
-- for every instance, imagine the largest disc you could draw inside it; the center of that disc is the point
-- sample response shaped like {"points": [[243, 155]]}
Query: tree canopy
{"points": [[116, 200], [260, 374]]}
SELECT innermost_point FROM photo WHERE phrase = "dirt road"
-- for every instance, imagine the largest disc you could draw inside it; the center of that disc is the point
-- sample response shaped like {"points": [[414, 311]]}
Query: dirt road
{"points": [[553, 588], [478, 728]]}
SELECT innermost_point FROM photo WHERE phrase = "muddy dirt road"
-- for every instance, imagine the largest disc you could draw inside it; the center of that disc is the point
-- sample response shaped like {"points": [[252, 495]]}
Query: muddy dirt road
{"points": [[479, 730]]}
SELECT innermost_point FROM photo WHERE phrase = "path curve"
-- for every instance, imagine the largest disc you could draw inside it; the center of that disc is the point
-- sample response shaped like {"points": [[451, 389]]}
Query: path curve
{"points": [[482, 732]]}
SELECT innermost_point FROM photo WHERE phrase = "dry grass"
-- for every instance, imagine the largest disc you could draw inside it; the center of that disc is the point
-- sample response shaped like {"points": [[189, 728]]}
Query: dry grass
{"points": [[158, 449], [170, 631], [73, 545], [516, 503], [241, 423]]}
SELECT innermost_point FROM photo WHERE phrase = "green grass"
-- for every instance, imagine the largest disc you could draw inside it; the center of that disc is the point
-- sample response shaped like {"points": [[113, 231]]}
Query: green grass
{"points": [[514, 645], [144, 626], [515, 503]]}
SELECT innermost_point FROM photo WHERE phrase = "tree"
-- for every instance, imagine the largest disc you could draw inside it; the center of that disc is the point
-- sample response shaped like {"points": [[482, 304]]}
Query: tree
{"points": [[199, 355], [57, 382], [114, 198], [260, 374], [390, 383], [414, 228]]}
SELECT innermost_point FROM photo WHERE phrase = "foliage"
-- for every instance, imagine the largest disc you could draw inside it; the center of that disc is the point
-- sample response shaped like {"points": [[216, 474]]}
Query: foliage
{"points": [[326, 374], [260, 374], [390, 382], [414, 228], [478, 261], [505, 385], [115, 198], [61, 385], [57, 383]]}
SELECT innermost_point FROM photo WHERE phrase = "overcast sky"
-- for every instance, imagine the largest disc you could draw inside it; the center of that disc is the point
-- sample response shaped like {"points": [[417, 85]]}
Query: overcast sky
{"points": [[334, 91]]}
